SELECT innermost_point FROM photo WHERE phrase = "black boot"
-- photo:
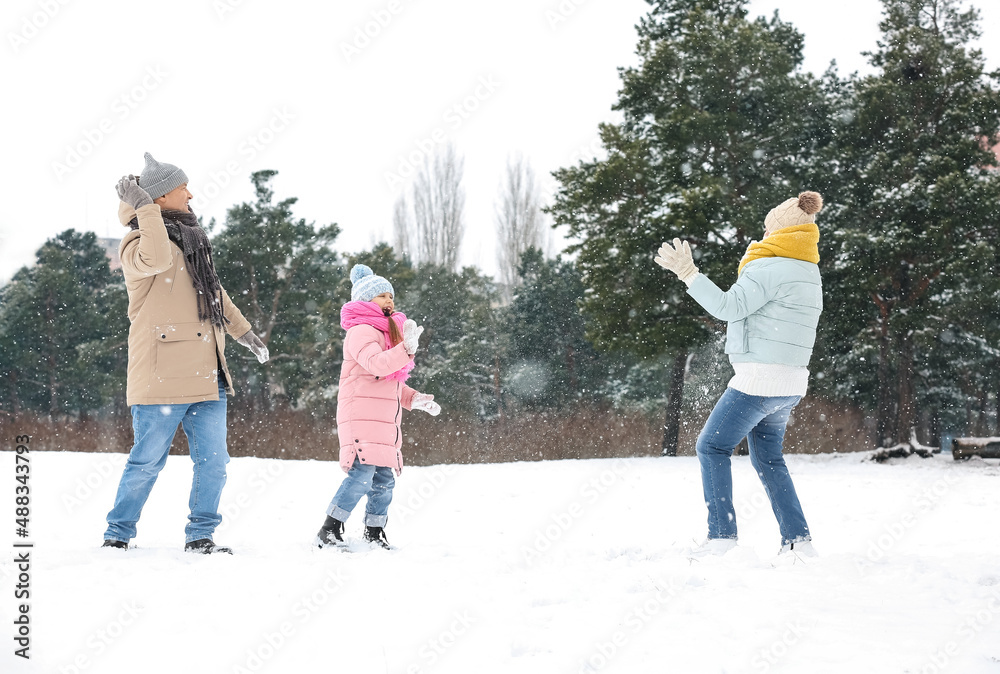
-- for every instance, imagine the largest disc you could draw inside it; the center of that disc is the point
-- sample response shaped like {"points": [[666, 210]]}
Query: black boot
{"points": [[376, 535], [331, 533], [112, 543], [205, 546]]}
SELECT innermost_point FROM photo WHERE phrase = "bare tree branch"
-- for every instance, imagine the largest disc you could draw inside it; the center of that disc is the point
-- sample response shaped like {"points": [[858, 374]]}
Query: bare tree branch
{"points": [[433, 231], [518, 218], [402, 228]]}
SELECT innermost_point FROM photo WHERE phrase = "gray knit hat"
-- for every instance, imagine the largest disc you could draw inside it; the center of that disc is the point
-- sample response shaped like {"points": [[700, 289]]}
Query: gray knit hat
{"points": [[158, 179], [366, 285]]}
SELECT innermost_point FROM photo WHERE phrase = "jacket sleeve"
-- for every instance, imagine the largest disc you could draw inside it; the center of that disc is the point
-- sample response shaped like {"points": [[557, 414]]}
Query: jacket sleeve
{"points": [[238, 325], [150, 253], [363, 346], [746, 297], [406, 400]]}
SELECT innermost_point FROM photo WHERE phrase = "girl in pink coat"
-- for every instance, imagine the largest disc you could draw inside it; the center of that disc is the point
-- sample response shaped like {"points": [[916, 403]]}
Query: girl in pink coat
{"points": [[378, 357]]}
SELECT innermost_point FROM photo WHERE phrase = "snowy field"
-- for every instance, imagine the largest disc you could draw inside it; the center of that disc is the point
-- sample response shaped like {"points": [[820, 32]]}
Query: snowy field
{"points": [[568, 566]]}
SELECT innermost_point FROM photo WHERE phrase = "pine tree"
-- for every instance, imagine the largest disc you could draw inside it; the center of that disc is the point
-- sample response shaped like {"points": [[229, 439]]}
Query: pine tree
{"points": [[916, 221], [719, 126], [54, 319], [457, 359], [279, 271], [549, 362]]}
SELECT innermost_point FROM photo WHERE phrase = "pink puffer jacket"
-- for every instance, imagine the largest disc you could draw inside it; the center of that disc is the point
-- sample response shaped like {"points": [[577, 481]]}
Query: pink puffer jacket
{"points": [[369, 406]]}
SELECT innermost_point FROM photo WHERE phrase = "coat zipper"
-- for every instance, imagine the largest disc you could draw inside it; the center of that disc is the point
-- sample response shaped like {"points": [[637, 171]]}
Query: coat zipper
{"points": [[399, 411]]}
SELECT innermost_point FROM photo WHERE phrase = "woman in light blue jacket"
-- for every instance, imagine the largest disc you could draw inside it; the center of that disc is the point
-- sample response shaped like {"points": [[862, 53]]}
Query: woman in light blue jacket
{"points": [[772, 311]]}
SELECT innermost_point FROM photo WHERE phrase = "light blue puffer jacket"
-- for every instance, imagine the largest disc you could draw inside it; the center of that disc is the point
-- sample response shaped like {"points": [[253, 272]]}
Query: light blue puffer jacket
{"points": [[772, 310]]}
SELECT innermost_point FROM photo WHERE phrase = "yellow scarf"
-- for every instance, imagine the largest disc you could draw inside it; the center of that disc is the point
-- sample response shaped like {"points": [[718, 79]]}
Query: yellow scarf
{"points": [[799, 242]]}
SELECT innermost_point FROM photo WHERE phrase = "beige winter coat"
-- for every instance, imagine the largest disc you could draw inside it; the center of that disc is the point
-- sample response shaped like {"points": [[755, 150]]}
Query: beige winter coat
{"points": [[172, 356]]}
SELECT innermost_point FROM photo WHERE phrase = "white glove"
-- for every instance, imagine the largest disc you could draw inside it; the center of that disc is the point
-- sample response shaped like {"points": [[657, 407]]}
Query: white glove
{"points": [[677, 259], [252, 342], [411, 336], [425, 402]]}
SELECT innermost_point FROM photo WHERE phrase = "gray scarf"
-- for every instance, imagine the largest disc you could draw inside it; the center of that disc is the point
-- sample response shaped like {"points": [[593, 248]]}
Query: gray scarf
{"points": [[184, 230]]}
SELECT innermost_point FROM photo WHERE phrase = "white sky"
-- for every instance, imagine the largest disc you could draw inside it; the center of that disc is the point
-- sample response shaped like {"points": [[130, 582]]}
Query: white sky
{"points": [[226, 87]]}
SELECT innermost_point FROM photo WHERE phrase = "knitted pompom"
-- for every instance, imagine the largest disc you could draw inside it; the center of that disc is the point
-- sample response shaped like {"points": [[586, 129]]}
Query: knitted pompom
{"points": [[810, 202], [359, 271]]}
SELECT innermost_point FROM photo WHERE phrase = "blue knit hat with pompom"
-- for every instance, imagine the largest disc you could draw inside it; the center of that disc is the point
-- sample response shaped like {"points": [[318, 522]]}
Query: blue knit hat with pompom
{"points": [[367, 285]]}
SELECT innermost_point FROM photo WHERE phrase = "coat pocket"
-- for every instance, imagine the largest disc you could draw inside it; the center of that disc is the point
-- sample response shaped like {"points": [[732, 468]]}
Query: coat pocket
{"points": [[184, 350], [737, 337]]}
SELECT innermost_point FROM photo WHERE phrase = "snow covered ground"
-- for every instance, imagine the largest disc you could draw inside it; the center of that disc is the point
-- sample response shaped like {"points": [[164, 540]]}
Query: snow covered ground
{"points": [[568, 566]]}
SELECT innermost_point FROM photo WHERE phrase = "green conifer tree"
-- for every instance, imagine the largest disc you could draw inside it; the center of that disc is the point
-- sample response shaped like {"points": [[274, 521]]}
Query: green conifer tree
{"points": [[914, 227], [54, 316], [279, 270], [719, 126]]}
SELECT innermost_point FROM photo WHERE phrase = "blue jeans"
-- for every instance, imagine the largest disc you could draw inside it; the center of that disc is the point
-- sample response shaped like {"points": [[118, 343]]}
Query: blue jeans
{"points": [[154, 427], [375, 481], [761, 420]]}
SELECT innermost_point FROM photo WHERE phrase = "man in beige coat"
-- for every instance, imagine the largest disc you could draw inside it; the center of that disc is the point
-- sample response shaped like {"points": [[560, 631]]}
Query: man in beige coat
{"points": [[177, 374]]}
